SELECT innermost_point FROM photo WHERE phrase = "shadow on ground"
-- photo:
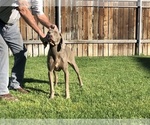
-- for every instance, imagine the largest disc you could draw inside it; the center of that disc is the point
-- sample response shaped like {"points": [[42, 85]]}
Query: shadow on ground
{"points": [[31, 80], [36, 90], [37, 81], [144, 61]]}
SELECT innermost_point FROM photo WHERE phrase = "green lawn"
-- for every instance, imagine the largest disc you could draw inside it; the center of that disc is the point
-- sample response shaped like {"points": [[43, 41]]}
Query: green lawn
{"points": [[114, 87]]}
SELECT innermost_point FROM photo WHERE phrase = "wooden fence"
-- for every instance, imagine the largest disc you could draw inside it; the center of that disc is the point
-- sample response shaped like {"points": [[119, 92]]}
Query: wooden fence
{"points": [[95, 28]]}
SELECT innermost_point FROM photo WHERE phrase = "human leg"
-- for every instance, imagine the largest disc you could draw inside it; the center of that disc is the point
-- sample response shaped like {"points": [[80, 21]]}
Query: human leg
{"points": [[15, 42], [4, 69], [4, 66], [18, 69]]}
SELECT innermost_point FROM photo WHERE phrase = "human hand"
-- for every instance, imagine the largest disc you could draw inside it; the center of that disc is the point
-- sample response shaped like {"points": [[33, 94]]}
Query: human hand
{"points": [[44, 41], [53, 26]]}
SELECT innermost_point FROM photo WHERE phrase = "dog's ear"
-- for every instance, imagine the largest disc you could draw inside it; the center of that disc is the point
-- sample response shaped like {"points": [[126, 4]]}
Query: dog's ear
{"points": [[61, 40], [61, 44]]}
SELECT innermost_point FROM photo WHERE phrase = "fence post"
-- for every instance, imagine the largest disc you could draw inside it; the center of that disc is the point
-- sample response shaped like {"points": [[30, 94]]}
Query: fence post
{"points": [[139, 27], [58, 14]]}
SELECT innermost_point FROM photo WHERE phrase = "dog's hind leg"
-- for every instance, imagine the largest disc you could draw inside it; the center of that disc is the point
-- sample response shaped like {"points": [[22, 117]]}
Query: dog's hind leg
{"points": [[75, 67]]}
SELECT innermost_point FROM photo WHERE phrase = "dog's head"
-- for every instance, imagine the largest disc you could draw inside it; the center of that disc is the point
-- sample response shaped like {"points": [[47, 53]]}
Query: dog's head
{"points": [[54, 36]]}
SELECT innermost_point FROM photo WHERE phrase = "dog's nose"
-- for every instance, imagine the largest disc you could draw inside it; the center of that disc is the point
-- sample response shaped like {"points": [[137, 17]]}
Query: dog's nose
{"points": [[50, 36], [52, 26]]}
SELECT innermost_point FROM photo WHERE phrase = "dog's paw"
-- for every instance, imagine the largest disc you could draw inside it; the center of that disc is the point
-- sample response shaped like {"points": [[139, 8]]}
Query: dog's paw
{"points": [[51, 97], [68, 97]]}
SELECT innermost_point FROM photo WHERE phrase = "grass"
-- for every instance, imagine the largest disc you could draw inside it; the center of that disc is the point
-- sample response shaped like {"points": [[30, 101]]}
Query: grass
{"points": [[114, 87]]}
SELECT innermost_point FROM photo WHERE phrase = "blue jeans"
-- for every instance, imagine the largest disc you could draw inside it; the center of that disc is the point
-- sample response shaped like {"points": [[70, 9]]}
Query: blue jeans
{"points": [[10, 37]]}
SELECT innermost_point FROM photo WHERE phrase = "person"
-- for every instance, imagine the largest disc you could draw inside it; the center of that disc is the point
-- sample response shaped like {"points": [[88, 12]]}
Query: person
{"points": [[10, 36]]}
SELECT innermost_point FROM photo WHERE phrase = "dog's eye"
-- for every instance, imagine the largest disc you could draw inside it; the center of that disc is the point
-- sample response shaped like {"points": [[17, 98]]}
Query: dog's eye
{"points": [[56, 32]]}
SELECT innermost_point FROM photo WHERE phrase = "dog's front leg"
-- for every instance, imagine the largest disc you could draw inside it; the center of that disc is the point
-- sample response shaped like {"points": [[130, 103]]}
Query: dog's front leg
{"points": [[52, 92], [66, 74], [55, 78]]}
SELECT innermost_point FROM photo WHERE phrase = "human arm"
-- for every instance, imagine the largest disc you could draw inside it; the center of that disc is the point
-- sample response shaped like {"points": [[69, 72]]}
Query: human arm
{"points": [[43, 19], [26, 14], [28, 17], [37, 11]]}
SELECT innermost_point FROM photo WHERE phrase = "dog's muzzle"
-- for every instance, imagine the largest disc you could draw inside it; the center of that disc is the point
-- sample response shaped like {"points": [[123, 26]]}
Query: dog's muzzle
{"points": [[49, 39], [52, 42]]}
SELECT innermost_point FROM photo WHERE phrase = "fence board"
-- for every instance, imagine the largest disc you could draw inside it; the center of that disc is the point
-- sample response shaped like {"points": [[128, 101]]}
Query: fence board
{"points": [[148, 49], [110, 50], [85, 49], [126, 27], [120, 49], [145, 24], [79, 23], [106, 48], [85, 30], [90, 30], [106, 29], [95, 50], [100, 49], [47, 12], [74, 19], [131, 23], [148, 23], [63, 21], [95, 27], [110, 19], [115, 23], [115, 50], [120, 23], [106, 23], [68, 14], [101, 22], [30, 50], [144, 48]]}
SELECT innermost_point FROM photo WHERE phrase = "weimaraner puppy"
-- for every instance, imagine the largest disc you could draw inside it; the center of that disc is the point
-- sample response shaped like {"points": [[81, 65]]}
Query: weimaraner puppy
{"points": [[59, 56]]}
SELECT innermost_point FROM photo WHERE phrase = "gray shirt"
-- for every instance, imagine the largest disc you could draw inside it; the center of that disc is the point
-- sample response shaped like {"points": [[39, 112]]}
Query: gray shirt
{"points": [[9, 14]]}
